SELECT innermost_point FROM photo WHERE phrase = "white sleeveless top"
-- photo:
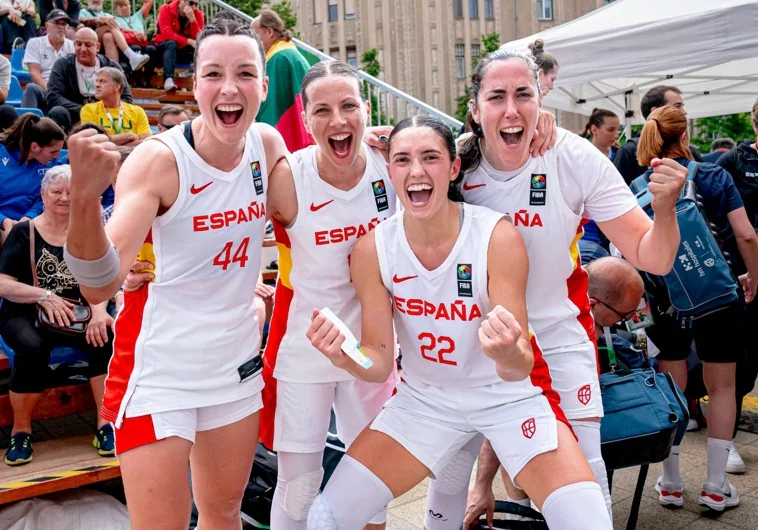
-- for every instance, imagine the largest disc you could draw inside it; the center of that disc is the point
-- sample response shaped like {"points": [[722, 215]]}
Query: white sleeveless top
{"points": [[438, 313], [548, 200], [190, 338], [314, 262]]}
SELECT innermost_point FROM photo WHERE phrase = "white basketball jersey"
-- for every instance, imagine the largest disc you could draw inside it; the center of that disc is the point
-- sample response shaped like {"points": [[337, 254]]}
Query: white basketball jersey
{"points": [[314, 262], [557, 300], [438, 313], [190, 338]]}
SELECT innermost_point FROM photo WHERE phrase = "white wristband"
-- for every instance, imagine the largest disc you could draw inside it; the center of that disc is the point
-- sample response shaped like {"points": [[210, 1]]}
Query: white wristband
{"points": [[94, 273]]}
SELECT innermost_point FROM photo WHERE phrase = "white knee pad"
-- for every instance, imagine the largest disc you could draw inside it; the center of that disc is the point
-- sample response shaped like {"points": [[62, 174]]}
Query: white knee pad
{"points": [[577, 506], [588, 434], [320, 516], [448, 492], [353, 495], [300, 493]]}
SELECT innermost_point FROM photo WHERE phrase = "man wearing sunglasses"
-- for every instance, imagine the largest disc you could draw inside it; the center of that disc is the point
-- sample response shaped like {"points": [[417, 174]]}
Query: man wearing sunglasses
{"points": [[171, 116], [179, 24]]}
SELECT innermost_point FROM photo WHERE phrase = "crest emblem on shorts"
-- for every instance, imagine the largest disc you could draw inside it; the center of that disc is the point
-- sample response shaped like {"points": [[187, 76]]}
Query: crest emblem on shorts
{"points": [[528, 428], [463, 276], [255, 167], [380, 195], [584, 394], [537, 189]]}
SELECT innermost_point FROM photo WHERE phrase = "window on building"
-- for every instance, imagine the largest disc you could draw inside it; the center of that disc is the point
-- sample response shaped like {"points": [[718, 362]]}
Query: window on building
{"points": [[349, 9], [332, 10], [334, 53], [489, 10], [475, 51], [545, 9], [460, 61], [352, 56], [473, 8], [458, 8]]}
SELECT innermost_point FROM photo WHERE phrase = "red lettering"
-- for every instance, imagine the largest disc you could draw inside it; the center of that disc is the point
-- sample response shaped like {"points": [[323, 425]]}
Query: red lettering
{"points": [[433, 342], [475, 313], [350, 231], [399, 304], [442, 313], [362, 231], [427, 347], [337, 235], [198, 223], [229, 217], [217, 221], [415, 307], [458, 310], [444, 351], [536, 220], [241, 217], [321, 238], [429, 308]]}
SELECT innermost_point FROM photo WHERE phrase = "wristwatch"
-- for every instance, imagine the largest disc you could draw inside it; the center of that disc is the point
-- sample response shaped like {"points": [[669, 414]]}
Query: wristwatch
{"points": [[44, 297]]}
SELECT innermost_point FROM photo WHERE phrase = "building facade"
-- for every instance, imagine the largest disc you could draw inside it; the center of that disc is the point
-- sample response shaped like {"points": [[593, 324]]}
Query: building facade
{"points": [[427, 47]]}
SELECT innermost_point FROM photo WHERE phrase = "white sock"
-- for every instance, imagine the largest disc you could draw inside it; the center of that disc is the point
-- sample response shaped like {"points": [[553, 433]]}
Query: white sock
{"points": [[523, 502], [588, 435], [671, 474], [718, 455], [130, 54]]}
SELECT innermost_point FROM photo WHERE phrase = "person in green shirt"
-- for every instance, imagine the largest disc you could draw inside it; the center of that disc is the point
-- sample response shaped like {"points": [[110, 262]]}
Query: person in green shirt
{"points": [[134, 28]]}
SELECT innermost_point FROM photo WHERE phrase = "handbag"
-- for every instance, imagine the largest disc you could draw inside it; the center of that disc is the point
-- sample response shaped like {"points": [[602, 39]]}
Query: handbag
{"points": [[645, 414], [82, 312]]}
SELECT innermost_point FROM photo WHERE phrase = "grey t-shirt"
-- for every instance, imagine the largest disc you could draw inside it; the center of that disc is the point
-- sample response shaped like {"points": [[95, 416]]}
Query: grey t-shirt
{"points": [[5, 73]]}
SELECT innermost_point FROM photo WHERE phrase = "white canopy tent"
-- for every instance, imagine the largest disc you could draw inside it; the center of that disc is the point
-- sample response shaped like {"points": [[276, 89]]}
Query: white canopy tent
{"points": [[610, 57]]}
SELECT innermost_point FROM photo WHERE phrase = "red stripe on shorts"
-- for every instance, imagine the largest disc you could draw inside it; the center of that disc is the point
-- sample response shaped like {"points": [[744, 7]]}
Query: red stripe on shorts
{"points": [[540, 377], [135, 432]]}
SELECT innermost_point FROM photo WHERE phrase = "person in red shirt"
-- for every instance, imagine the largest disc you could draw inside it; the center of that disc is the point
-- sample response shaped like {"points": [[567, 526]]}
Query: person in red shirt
{"points": [[179, 23]]}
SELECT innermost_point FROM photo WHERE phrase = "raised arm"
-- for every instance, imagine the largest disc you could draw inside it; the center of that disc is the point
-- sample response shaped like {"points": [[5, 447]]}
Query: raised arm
{"points": [[377, 338], [504, 333], [148, 182]]}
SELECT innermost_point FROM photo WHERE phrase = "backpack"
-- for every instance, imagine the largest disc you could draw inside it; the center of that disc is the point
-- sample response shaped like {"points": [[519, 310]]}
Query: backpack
{"points": [[701, 279]]}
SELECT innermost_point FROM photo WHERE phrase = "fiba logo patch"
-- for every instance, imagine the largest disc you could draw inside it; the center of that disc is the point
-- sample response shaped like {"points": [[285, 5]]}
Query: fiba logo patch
{"points": [[255, 167], [537, 189], [528, 428], [463, 272], [584, 394], [380, 195], [710, 262]]}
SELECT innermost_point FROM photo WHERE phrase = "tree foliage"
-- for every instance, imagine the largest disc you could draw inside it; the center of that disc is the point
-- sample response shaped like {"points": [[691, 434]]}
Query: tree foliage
{"points": [[370, 65], [735, 126], [490, 43]]}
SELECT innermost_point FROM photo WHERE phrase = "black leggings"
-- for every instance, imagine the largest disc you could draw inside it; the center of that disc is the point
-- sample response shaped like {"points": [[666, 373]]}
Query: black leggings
{"points": [[32, 346]]}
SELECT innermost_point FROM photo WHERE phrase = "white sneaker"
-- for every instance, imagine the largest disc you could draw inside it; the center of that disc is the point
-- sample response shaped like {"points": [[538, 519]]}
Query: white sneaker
{"points": [[169, 84], [719, 498], [138, 61], [735, 465], [692, 425], [670, 494]]}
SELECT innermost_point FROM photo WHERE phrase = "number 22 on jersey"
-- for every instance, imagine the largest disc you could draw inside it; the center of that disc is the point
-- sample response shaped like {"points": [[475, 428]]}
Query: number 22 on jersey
{"points": [[430, 343]]}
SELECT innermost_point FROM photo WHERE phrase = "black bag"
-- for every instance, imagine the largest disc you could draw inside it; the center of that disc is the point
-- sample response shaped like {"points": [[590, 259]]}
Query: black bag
{"points": [[259, 493], [513, 509]]}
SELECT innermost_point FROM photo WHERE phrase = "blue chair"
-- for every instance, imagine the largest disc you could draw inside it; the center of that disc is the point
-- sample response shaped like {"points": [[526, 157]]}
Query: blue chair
{"points": [[15, 93], [17, 66], [26, 110]]}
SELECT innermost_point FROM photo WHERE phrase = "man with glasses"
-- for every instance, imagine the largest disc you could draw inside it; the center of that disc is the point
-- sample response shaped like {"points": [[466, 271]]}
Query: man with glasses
{"points": [[179, 24], [171, 116]]}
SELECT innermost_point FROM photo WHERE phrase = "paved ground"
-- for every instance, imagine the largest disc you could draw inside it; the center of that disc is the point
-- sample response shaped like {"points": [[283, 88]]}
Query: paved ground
{"points": [[407, 512]]}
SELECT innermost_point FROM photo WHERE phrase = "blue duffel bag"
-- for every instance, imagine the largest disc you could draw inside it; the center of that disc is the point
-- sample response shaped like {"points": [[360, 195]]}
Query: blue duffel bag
{"points": [[645, 414]]}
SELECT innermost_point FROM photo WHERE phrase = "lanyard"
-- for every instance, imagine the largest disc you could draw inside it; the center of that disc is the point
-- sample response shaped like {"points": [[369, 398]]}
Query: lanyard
{"points": [[88, 85], [116, 129]]}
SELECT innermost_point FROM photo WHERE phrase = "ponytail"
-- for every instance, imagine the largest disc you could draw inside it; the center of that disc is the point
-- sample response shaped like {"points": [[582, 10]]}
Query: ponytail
{"points": [[662, 136], [597, 118], [469, 150], [30, 129]]}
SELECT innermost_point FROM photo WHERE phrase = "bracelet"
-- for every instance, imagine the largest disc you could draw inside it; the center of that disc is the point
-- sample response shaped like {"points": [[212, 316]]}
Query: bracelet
{"points": [[42, 299]]}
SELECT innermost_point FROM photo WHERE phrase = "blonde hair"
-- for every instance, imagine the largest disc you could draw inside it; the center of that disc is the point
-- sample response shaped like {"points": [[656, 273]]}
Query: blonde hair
{"points": [[662, 136]]}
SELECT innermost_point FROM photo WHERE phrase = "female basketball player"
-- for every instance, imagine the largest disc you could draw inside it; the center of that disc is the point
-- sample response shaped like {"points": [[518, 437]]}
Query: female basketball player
{"points": [[337, 191], [453, 276], [548, 198], [184, 384]]}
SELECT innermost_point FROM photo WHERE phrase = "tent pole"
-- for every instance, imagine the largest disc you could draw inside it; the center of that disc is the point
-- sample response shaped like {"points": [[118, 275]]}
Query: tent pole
{"points": [[628, 115]]}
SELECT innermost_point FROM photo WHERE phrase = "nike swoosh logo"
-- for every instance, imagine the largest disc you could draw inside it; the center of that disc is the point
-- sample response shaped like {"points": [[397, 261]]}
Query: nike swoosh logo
{"points": [[195, 191], [469, 187], [403, 279], [315, 208]]}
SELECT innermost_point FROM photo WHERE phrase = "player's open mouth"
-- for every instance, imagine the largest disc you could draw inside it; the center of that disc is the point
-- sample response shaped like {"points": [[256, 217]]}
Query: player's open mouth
{"points": [[512, 136], [229, 114], [419, 194], [340, 144]]}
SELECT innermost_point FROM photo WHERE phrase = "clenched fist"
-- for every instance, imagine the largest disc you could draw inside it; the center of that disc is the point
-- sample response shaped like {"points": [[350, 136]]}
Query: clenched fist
{"points": [[666, 183], [327, 339], [499, 334], [94, 160]]}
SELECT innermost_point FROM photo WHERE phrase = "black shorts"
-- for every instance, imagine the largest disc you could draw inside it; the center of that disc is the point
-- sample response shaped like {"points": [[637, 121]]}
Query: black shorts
{"points": [[719, 336]]}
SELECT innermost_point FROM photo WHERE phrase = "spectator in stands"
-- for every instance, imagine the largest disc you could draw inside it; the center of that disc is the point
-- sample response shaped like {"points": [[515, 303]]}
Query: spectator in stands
{"points": [[5, 78], [135, 33], [719, 146], [548, 66], [8, 116], [70, 7], [126, 124], [124, 151], [626, 157], [720, 333], [32, 342], [27, 151], [17, 20], [171, 116], [179, 24], [110, 34], [109, 195], [72, 81], [285, 67], [40, 56]]}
